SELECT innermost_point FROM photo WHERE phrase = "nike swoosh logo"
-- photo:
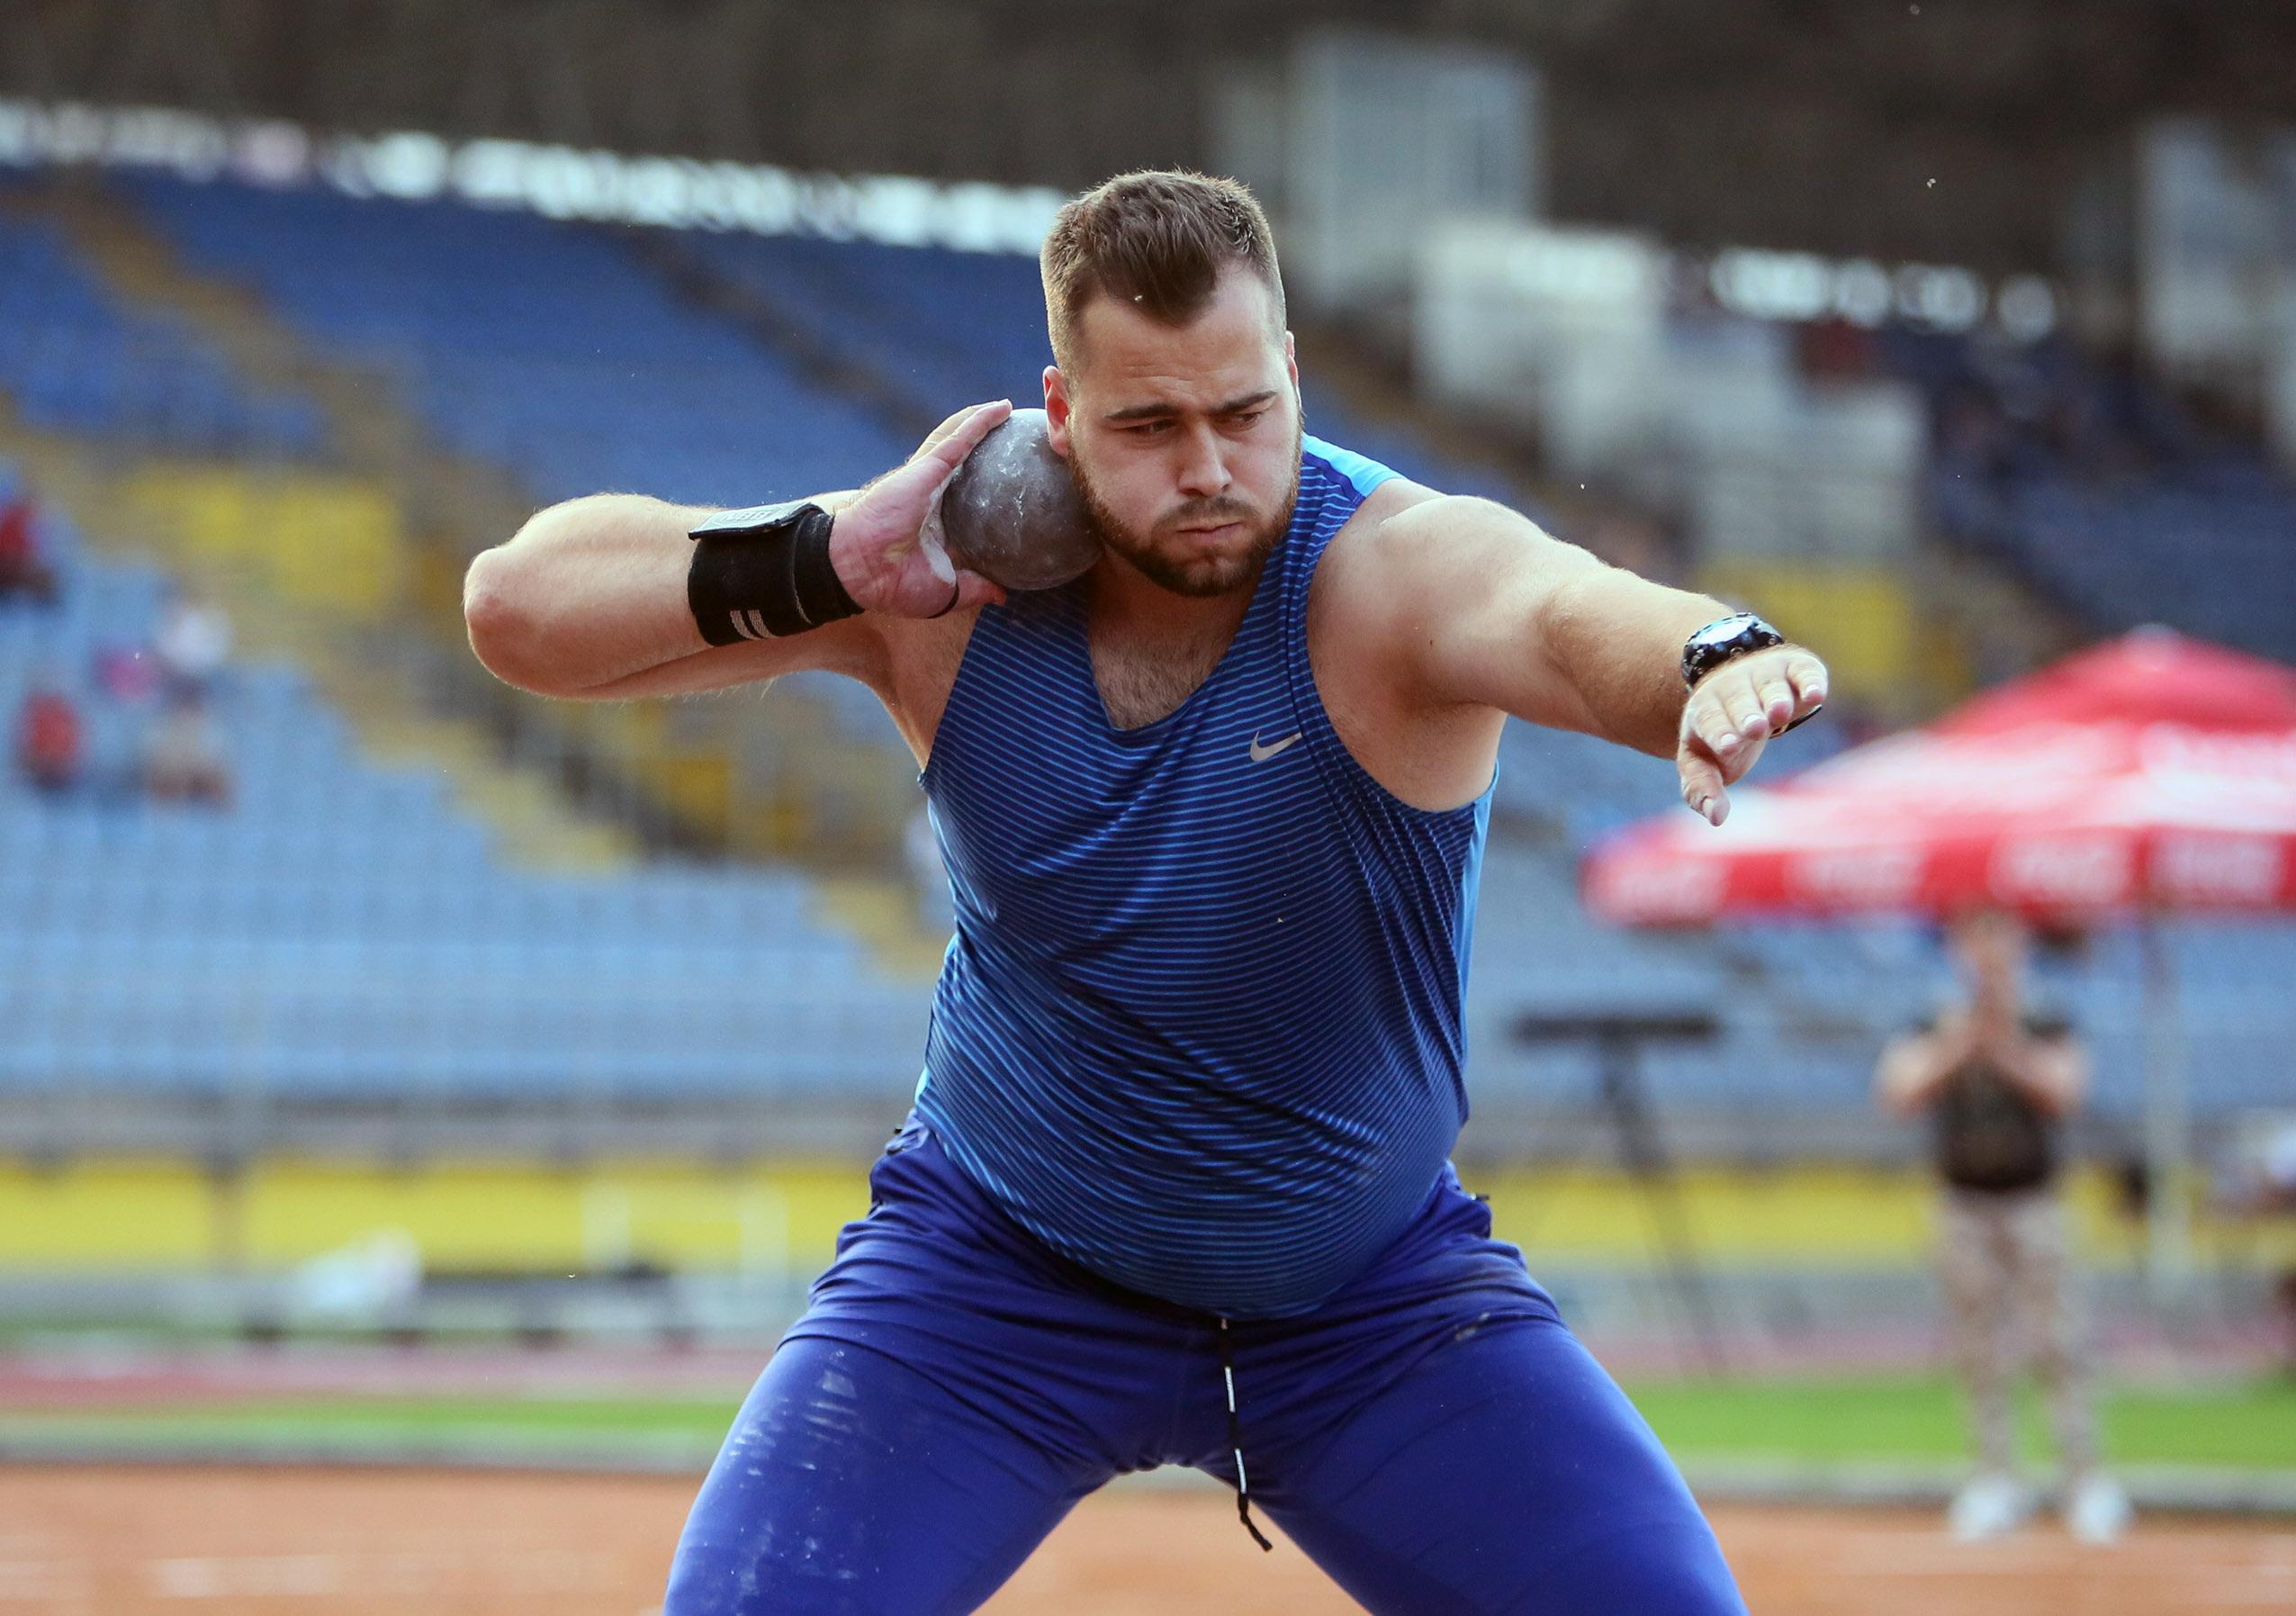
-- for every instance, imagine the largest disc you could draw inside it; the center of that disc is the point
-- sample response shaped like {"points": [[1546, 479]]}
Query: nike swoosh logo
{"points": [[1260, 753]]}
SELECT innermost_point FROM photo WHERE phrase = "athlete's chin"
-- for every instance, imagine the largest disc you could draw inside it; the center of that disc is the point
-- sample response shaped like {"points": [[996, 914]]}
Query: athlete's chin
{"points": [[1205, 563], [1204, 579]]}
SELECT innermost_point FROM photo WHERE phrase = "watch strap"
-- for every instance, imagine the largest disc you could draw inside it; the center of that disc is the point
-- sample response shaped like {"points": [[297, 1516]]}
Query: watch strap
{"points": [[1726, 639]]}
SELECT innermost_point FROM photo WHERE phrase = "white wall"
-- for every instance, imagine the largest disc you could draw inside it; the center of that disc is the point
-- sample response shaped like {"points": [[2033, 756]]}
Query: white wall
{"points": [[1566, 334], [1357, 142]]}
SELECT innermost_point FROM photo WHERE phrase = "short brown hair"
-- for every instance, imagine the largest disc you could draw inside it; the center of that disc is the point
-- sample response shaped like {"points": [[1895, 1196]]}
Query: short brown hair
{"points": [[1159, 238]]}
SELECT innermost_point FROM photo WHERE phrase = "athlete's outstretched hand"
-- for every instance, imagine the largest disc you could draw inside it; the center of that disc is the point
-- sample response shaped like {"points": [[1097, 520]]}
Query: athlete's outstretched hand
{"points": [[1732, 715], [874, 545]]}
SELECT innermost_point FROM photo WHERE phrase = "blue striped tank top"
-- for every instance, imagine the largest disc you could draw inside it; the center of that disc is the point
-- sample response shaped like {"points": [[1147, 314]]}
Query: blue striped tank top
{"points": [[1199, 1026]]}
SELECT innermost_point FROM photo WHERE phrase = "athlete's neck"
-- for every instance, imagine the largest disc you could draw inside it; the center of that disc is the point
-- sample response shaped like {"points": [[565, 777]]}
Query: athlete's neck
{"points": [[1151, 648]]}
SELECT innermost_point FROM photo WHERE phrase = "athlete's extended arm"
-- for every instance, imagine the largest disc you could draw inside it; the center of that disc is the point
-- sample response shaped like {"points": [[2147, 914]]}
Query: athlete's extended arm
{"points": [[588, 600], [1497, 613]]}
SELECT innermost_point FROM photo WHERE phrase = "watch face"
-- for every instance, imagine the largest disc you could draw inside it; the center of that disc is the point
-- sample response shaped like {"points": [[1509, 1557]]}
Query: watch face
{"points": [[1720, 642], [1714, 636]]}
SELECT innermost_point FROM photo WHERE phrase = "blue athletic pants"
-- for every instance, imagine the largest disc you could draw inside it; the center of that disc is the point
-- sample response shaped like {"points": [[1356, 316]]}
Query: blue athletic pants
{"points": [[1432, 1435]]}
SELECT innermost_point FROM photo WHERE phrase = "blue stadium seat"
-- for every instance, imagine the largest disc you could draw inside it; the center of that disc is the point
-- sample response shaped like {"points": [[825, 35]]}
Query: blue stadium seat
{"points": [[347, 931], [2095, 486], [76, 360]]}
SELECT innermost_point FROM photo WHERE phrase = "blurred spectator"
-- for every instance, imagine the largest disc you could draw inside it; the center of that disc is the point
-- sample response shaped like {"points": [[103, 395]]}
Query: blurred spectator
{"points": [[1997, 1078], [194, 642], [182, 760], [50, 743], [130, 676], [22, 571]]}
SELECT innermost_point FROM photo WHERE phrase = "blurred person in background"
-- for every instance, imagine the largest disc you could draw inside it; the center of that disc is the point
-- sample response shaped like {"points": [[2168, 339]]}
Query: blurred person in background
{"points": [[1997, 1077], [183, 760], [194, 642], [22, 571], [126, 673], [50, 738]]}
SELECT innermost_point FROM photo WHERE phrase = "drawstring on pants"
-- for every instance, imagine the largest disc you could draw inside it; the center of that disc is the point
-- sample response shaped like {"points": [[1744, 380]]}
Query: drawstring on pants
{"points": [[1235, 1440]]}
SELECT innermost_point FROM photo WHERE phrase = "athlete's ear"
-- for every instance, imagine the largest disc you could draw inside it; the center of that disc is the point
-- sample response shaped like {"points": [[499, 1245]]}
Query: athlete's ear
{"points": [[1056, 411], [1292, 362]]}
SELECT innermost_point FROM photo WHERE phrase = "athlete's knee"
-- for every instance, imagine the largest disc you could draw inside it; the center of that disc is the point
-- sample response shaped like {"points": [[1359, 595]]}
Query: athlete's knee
{"points": [[756, 1585], [1666, 1565], [776, 1525], [702, 1584]]}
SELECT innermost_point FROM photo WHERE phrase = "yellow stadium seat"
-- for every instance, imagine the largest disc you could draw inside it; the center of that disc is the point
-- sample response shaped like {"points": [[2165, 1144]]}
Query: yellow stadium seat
{"points": [[1864, 621], [332, 543]]}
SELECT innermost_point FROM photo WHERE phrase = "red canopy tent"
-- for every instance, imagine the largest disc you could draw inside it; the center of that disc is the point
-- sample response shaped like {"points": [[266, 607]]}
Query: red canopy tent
{"points": [[2153, 772], [2152, 775]]}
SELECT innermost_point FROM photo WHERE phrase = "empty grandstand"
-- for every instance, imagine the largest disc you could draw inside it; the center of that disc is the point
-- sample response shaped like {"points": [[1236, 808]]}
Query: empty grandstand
{"points": [[344, 933], [430, 920], [403, 1062], [732, 369], [74, 360]]}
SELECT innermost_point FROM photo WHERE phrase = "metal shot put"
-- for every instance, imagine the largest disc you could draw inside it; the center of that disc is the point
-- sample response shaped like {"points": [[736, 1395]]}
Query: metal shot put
{"points": [[1176, 1186], [1011, 511]]}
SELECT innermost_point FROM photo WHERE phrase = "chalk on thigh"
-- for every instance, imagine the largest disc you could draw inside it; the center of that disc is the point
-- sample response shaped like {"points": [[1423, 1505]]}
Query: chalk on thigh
{"points": [[853, 1483]]}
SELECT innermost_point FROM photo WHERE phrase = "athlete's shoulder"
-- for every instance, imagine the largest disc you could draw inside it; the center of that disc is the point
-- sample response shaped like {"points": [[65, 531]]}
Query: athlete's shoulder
{"points": [[1378, 490], [1360, 473], [1364, 575]]}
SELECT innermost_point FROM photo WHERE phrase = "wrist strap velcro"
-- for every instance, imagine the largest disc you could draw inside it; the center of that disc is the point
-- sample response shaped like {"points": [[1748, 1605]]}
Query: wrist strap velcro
{"points": [[765, 581]]}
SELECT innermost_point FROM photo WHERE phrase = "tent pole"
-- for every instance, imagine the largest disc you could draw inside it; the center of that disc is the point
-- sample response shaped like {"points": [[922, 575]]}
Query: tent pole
{"points": [[2169, 1221]]}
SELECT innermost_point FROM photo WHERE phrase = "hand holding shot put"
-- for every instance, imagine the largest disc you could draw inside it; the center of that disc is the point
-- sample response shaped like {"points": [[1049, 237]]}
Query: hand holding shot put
{"points": [[1213, 794], [987, 489], [876, 542], [584, 601]]}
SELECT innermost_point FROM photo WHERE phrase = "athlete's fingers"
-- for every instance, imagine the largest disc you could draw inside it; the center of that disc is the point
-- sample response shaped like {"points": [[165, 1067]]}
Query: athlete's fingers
{"points": [[946, 450], [974, 589], [1807, 675], [1776, 696], [1702, 785], [1710, 722], [934, 437], [1742, 703]]}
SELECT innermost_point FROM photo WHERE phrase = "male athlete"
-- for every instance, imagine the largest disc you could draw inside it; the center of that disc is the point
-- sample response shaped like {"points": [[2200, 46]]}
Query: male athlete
{"points": [[1175, 1188]]}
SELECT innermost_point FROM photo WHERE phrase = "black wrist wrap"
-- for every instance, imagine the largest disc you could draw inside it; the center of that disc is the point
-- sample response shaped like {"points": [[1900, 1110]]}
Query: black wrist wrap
{"points": [[767, 583]]}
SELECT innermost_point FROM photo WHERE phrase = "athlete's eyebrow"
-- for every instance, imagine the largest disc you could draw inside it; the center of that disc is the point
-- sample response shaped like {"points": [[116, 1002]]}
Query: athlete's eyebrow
{"points": [[1151, 412]]}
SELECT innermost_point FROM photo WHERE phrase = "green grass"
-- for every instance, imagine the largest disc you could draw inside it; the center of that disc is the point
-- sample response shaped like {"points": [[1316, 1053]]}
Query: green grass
{"points": [[516, 1423], [2246, 1423]]}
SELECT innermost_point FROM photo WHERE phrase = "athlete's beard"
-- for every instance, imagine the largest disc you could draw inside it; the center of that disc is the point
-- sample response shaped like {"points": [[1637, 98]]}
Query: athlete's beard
{"points": [[1197, 576]]}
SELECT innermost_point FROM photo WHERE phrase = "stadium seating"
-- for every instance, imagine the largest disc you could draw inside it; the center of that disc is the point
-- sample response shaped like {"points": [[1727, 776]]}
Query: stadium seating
{"points": [[283, 945], [344, 929], [2097, 487], [326, 542], [885, 311], [547, 348], [74, 360]]}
